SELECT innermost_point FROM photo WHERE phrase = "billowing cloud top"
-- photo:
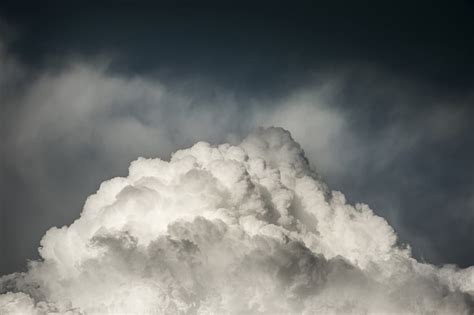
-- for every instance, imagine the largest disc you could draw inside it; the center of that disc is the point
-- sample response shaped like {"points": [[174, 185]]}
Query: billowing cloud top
{"points": [[230, 230]]}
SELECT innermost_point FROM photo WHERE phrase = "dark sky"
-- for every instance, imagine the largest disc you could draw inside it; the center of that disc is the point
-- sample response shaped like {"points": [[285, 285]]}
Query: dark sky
{"points": [[405, 90], [268, 43]]}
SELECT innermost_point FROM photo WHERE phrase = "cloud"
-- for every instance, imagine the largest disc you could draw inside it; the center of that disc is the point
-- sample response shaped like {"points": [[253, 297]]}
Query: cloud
{"points": [[230, 229], [67, 128]]}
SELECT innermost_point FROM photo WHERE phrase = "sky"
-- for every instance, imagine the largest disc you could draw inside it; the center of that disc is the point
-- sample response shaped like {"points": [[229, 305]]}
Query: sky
{"points": [[379, 95]]}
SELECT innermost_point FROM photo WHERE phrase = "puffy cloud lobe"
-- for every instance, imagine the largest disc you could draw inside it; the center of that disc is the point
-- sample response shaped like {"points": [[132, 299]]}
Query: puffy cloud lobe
{"points": [[230, 229]]}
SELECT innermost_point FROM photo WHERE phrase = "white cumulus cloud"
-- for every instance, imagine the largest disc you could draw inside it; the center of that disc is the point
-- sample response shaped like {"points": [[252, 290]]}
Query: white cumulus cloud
{"points": [[230, 230]]}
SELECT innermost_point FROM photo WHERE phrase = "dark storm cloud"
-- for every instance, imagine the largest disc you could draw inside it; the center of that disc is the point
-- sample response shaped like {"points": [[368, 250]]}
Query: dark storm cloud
{"points": [[254, 45], [379, 96]]}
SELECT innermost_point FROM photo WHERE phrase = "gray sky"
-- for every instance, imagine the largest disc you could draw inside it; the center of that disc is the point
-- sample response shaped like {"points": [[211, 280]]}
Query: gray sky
{"points": [[382, 108]]}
